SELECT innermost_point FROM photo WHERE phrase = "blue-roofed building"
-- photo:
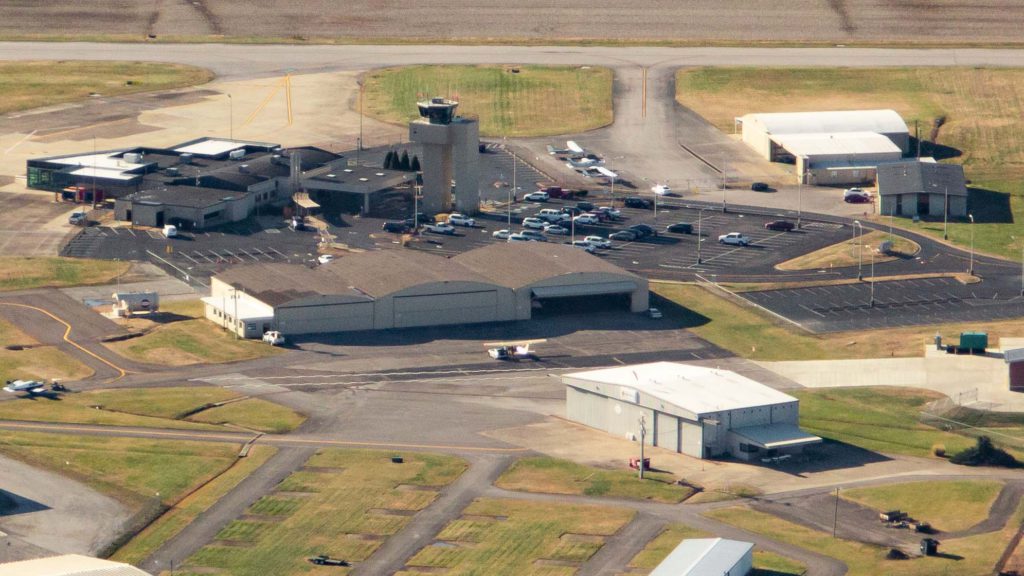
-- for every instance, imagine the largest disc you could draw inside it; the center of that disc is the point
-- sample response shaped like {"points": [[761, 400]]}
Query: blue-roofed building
{"points": [[708, 557]]}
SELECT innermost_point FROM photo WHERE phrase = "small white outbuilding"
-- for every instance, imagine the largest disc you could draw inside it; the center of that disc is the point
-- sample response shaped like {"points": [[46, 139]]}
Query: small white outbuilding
{"points": [[708, 557]]}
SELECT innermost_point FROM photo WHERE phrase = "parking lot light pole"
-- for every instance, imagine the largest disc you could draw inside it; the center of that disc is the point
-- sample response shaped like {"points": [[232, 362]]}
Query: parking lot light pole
{"points": [[800, 198], [860, 248], [231, 116], [700, 239], [945, 216], [970, 269], [871, 300]]}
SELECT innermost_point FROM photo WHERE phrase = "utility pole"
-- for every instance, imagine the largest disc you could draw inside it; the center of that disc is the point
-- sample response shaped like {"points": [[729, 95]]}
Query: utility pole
{"points": [[643, 436], [231, 116], [800, 198], [700, 239], [236, 314], [970, 270], [917, 136], [416, 210], [835, 515], [860, 249], [945, 216]]}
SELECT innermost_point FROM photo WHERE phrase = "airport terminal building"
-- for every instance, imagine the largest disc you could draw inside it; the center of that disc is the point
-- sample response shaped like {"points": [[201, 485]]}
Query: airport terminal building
{"points": [[407, 288], [701, 412]]}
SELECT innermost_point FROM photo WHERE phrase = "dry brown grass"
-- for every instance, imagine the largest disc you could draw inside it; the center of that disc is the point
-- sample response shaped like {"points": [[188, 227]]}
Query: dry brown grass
{"points": [[850, 252]]}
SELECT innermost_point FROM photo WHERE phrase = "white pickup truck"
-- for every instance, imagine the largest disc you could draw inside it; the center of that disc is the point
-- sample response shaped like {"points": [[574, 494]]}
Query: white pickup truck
{"points": [[734, 238]]}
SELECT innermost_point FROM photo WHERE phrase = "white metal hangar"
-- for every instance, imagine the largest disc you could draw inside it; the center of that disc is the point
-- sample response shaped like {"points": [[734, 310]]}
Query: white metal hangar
{"points": [[69, 565], [701, 412], [841, 147], [410, 288]]}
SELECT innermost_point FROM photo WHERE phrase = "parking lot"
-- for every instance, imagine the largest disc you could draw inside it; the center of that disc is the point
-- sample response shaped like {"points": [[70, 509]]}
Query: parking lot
{"points": [[896, 303]]}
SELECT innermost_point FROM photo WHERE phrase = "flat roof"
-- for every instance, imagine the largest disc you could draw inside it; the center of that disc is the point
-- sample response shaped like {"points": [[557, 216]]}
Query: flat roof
{"points": [[695, 388], [69, 565], [703, 557], [518, 264], [837, 143], [112, 160], [881, 121], [186, 196], [109, 173], [211, 147], [770, 436]]}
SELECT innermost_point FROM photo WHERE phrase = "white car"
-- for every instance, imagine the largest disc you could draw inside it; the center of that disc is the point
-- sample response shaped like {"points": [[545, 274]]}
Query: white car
{"points": [[533, 236], [518, 237], [611, 212], [273, 337], [734, 238], [325, 258], [556, 229], [661, 190], [585, 245], [537, 196], [586, 219], [456, 219], [599, 242], [170, 231], [535, 223], [501, 234], [440, 228]]}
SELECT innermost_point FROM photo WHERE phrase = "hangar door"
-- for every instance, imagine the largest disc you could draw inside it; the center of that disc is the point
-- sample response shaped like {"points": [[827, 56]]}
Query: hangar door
{"points": [[317, 319], [576, 298], [454, 308]]}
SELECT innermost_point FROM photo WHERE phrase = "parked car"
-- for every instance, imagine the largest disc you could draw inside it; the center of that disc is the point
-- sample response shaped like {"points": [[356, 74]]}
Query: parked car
{"points": [[661, 190], [396, 227], [325, 258], [759, 187], [537, 196], [77, 219], [170, 231], [780, 225], [643, 230], [601, 216], [558, 192], [440, 228], [273, 337], [734, 238], [585, 219], [535, 223], [534, 235], [856, 196], [585, 245], [501, 234], [635, 202], [550, 215], [680, 228], [623, 235], [518, 237], [654, 313], [571, 210], [612, 213], [599, 242], [585, 206], [456, 219], [556, 229]]}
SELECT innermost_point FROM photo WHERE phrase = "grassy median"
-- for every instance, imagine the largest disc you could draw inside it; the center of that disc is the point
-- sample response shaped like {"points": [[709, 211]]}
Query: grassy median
{"points": [[508, 100], [24, 273], [950, 506], [554, 476], [46, 83]]}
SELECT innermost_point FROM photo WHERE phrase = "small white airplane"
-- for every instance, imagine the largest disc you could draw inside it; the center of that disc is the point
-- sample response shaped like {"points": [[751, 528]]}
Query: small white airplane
{"points": [[518, 350], [606, 172], [574, 147], [30, 387], [558, 151]]}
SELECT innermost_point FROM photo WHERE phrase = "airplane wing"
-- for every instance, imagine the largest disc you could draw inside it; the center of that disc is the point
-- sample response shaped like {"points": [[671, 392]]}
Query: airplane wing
{"points": [[606, 172], [573, 146], [516, 342]]}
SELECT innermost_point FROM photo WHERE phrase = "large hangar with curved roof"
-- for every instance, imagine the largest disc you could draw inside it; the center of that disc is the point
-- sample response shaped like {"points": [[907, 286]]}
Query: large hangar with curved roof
{"points": [[410, 288]]}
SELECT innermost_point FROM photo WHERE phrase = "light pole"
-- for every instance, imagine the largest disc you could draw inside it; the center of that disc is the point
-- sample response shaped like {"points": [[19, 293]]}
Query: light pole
{"points": [[860, 248], [945, 215], [800, 198], [700, 238], [871, 299], [970, 269], [1022, 270], [416, 210], [359, 141], [231, 116]]}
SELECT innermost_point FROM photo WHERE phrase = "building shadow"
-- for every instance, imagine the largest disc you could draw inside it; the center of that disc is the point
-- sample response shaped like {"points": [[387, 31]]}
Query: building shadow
{"points": [[989, 206], [935, 150], [12, 504]]}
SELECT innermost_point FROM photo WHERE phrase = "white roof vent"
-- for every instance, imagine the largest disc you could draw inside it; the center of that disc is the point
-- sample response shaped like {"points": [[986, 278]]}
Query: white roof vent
{"points": [[364, 179], [348, 170], [331, 176], [380, 173]]}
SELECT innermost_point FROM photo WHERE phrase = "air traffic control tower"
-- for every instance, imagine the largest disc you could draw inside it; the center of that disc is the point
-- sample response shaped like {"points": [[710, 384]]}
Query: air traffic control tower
{"points": [[450, 151]]}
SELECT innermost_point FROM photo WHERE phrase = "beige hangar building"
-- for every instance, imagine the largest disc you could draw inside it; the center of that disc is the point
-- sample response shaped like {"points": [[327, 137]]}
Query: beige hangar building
{"points": [[406, 288], [697, 411]]}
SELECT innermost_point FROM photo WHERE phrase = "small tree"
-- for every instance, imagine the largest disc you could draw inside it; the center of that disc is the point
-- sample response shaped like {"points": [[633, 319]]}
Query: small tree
{"points": [[984, 453], [388, 159], [415, 167], [404, 162]]}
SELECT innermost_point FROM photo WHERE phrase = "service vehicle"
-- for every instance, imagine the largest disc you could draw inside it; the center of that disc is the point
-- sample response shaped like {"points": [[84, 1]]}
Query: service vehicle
{"points": [[735, 238], [515, 351]]}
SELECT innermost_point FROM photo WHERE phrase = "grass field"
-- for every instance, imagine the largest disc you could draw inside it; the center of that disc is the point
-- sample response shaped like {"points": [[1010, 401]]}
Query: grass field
{"points": [[554, 476], [45, 83], [133, 470], [23, 273], [949, 506], [184, 512], [344, 504], [753, 334], [880, 419], [32, 361], [977, 554], [852, 253], [981, 108], [512, 538], [189, 339], [154, 408], [536, 101]]}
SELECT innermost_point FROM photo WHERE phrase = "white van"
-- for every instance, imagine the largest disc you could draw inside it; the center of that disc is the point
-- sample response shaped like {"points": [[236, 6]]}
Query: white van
{"points": [[551, 215], [170, 231]]}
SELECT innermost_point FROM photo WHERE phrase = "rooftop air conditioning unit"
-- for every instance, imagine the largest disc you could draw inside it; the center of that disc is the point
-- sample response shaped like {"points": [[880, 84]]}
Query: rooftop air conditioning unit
{"points": [[172, 171], [185, 158], [243, 168], [275, 159], [237, 154], [133, 158]]}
